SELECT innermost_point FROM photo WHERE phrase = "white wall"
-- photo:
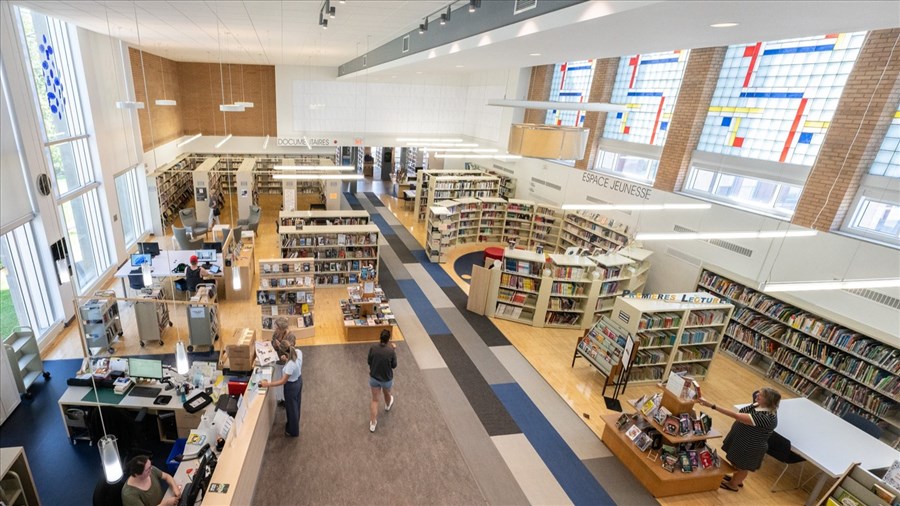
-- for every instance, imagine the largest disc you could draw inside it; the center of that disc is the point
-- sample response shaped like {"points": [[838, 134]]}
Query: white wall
{"points": [[823, 257]]}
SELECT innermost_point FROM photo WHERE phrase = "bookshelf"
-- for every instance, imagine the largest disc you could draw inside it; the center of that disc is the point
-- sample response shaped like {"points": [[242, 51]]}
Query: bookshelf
{"points": [[673, 336], [834, 365], [469, 212], [545, 227], [639, 270], [286, 288], [507, 182], [441, 229], [590, 231], [520, 298], [170, 189], [206, 182], [603, 346], [865, 487], [490, 226], [342, 254], [425, 196], [613, 273], [303, 218], [517, 221], [571, 287]]}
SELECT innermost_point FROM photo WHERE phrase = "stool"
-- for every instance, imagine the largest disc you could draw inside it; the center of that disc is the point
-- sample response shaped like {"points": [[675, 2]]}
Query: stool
{"points": [[491, 254], [177, 449]]}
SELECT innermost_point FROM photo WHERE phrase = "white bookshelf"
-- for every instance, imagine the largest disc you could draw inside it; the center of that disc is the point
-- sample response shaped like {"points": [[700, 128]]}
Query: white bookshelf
{"points": [[322, 217], [287, 288], [518, 221], [613, 274], [441, 229], [170, 188], [545, 227], [342, 254]]}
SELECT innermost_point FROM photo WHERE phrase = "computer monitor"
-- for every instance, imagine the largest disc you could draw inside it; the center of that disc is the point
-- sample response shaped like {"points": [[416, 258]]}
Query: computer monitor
{"points": [[206, 255], [199, 481], [139, 259], [217, 246], [145, 368], [150, 248]]}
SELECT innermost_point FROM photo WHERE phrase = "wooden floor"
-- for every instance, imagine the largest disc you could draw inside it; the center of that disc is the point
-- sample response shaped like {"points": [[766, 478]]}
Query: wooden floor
{"points": [[548, 350]]}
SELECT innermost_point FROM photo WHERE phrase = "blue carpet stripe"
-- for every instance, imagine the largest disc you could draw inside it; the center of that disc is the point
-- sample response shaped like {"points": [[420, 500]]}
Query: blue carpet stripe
{"points": [[353, 201], [580, 485], [374, 199], [383, 226], [431, 320], [421, 256]]}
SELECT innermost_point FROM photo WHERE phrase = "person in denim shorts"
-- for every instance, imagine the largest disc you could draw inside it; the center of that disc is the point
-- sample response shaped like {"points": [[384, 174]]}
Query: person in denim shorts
{"points": [[382, 362]]}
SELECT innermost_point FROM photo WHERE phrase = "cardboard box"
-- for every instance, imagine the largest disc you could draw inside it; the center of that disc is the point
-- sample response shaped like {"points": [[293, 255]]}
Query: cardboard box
{"points": [[676, 404], [242, 354]]}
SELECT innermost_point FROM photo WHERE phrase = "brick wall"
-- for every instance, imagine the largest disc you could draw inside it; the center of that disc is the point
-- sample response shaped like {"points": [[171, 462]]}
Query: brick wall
{"points": [[539, 89], [601, 91], [162, 82], [700, 77], [198, 88], [860, 122]]}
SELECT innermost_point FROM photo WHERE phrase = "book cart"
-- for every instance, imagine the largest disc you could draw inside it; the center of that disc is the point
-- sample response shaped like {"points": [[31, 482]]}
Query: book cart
{"points": [[663, 444]]}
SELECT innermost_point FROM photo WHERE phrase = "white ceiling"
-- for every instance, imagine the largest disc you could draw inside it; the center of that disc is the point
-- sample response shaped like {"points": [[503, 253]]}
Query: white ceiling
{"points": [[276, 32]]}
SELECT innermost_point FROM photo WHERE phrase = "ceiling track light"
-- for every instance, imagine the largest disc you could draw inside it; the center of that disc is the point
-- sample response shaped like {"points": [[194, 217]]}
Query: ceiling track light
{"points": [[474, 5], [182, 143], [445, 17], [423, 27], [332, 12]]}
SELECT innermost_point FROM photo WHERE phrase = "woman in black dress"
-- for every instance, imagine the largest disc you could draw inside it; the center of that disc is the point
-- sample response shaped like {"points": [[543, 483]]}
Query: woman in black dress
{"points": [[748, 440]]}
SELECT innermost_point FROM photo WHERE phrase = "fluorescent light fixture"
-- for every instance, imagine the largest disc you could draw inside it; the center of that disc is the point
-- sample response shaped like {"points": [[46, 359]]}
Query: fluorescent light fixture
{"points": [[146, 274], [320, 168], [633, 207], [246, 105], [129, 104], [181, 359], [266, 142], [534, 54], [723, 25], [182, 143], [806, 286], [560, 106], [231, 108], [164, 102], [236, 279], [443, 144], [426, 139], [461, 150], [319, 177], [223, 141], [764, 234], [461, 155]]}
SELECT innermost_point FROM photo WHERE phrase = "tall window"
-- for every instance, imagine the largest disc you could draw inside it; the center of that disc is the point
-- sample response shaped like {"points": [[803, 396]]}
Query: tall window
{"points": [[66, 143], [877, 211], [648, 85], [132, 214], [571, 83], [24, 299], [769, 114]]}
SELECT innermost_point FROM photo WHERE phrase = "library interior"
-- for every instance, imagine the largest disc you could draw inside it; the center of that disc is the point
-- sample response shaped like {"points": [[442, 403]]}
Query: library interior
{"points": [[580, 251]]}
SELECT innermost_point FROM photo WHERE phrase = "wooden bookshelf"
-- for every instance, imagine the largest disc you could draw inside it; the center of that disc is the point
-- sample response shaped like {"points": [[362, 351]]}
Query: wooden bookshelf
{"points": [[517, 222], [674, 336], [836, 366], [545, 227], [342, 254], [322, 218], [286, 288]]}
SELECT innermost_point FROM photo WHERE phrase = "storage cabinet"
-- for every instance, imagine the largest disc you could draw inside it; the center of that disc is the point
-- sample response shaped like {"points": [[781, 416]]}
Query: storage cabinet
{"points": [[24, 358]]}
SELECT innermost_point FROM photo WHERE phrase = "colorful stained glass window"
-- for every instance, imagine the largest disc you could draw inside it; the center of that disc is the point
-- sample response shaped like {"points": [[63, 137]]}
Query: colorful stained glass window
{"points": [[648, 84], [775, 100], [887, 161], [571, 83]]}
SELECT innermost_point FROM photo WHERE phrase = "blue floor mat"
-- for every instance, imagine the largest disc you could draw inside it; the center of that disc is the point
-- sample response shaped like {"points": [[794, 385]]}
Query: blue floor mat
{"points": [[463, 265]]}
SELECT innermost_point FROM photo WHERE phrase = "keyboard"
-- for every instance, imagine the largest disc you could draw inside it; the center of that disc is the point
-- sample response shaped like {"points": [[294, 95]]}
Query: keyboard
{"points": [[145, 391]]}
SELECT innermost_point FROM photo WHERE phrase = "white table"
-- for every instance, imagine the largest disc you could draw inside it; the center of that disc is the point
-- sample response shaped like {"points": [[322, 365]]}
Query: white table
{"points": [[163, 266], [828, 442]]}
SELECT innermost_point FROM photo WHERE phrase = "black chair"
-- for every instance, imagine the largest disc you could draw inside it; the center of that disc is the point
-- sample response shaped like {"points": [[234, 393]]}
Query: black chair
{"points": [[780, 450], [108, 494], [863, 424]]}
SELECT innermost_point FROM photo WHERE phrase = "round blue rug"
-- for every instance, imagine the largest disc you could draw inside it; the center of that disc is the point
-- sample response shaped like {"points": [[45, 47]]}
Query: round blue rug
{"points": [[463, 265]]}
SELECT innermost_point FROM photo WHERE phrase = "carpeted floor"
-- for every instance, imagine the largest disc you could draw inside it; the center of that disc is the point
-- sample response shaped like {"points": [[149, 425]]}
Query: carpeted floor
{"points": [[411, 458], [463, 265]]}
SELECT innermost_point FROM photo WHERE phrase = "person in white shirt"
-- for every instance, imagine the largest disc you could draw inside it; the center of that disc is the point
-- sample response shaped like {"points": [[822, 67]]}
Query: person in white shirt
{"points": [[293, 388]]}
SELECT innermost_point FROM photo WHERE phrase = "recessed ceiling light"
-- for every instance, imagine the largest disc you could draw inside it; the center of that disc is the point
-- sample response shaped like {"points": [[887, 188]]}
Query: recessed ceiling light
{"points": [[418, 72], [723, 25], [534, 54], [459, 66]]}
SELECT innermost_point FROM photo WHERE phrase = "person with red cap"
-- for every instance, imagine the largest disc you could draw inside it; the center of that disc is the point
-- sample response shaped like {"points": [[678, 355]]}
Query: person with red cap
{"points": [[194, 274]]}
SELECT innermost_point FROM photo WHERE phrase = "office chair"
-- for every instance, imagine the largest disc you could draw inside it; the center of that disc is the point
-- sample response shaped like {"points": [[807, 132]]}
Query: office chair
{"points": [[863, 424], [189, 221], [77, 423], [136, 280], [108, 494], [183, 241], [780, 450], [252, 221]]}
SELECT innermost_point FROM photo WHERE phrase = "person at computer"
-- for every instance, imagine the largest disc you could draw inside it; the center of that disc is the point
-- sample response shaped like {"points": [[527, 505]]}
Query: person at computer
{"points": [[144, 485], [194, 274], [293, 389], [283, 340]]}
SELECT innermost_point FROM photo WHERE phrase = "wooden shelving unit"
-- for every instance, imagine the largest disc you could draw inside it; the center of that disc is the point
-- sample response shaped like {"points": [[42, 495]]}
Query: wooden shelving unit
{"points": [[441, 229], [834, 365], [517, 222], [342, 254], [593, 231], [490, 226], [673, 336], [322, 218], [170, 190], [287, 288]]}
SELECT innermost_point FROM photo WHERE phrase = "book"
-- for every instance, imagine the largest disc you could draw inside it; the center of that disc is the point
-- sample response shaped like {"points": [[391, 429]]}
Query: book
{"points": [[684, 424], [661, 414], [705, 459], [643, 441], [195, 438], [669, 461], [847, 499], [883, 493], [649, 405], [695, 459], [633, 432], [685, 462], [671, 425], [622, 421]]}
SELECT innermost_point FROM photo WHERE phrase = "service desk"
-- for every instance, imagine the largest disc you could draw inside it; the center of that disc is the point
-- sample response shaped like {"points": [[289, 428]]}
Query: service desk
{"points": [[163, 266]]}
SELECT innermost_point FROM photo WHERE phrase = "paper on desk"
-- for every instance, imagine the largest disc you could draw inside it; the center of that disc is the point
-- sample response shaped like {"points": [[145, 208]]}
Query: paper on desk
{"points": [[265, 353]]}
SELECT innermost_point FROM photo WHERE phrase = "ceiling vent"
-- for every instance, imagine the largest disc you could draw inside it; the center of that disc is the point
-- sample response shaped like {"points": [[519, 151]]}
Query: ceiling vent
{"points": [[405, 43], [524, 5], [878, 297]]}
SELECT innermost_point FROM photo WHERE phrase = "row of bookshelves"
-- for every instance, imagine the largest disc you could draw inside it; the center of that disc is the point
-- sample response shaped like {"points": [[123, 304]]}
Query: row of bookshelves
{"points": [[810, 354], [340, 254], [286, 290]]}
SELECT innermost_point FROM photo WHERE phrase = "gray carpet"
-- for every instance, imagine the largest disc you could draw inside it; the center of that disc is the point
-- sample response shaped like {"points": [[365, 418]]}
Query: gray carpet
{"points": [[411, 458]]}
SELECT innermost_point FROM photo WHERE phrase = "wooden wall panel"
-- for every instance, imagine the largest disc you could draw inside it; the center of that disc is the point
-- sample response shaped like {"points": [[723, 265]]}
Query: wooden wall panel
{"points": [[162, 82]]}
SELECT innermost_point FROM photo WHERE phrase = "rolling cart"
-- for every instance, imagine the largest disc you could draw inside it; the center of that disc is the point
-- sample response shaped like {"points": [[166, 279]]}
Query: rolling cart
{"points": [[203, 317], [24, 359], [101, 323], [152, 317]]}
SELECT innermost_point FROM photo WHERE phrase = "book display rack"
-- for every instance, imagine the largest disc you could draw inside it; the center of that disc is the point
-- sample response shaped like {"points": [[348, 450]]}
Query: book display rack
{"points": [[673, 336], [860, 487], [342, 254], [425, 188], [322, 218], [366, 313], [834, 365], [287, 288], [442, 229]]}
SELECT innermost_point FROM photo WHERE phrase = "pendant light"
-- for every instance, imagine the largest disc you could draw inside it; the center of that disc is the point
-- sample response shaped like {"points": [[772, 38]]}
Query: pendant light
{"points": [[107, 445], [146, 274], [181, 359], [162, 71], [236, 278]]}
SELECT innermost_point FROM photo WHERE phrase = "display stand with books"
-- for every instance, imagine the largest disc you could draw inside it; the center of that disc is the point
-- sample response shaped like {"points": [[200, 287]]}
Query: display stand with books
{"points": [[342, 254], [609, 348], [858, 487], [301, 219], [663, 444], [366, 312], [287, 288]]}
